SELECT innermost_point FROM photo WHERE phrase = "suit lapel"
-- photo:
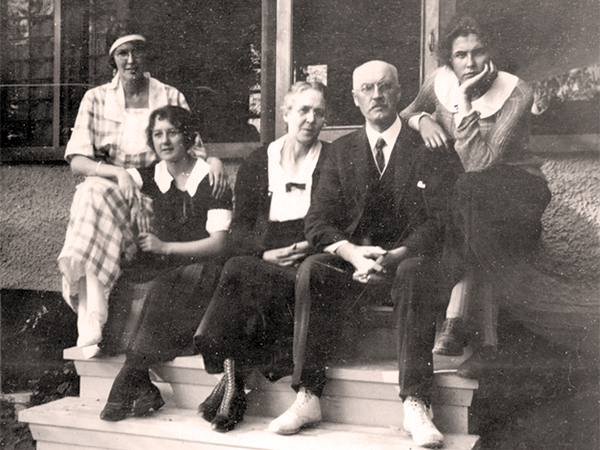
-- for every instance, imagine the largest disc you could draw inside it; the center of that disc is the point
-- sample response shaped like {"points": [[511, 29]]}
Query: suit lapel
{"points": [[360, 167], [403, 160]]}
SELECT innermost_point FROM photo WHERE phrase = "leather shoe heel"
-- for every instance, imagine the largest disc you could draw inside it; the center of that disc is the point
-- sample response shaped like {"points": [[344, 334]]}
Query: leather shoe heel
{"points": [[114, 411], [151, 399]]}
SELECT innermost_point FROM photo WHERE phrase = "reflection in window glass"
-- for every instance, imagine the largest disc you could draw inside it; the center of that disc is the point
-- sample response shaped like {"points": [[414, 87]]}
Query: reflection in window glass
{"points": [[209, 50], [313, 73], [42, 7], [343, 34], [29, 62], [17, 8], [18, 29]]}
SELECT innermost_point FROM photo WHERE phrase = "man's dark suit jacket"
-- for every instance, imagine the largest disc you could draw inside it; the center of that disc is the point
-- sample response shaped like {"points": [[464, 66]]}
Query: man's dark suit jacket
{"points": [[423, 180]]}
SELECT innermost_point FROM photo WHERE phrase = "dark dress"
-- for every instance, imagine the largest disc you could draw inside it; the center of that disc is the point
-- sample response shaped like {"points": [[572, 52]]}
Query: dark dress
{"points": [[159, 300], [250, 316]]}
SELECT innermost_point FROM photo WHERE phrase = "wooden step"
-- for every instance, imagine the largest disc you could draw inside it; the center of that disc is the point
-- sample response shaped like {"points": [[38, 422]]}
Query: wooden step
{"points": [[357, 393], [73, 423]]}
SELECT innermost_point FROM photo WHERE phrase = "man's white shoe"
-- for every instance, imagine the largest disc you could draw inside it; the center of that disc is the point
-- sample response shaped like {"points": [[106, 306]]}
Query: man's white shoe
{"points": [[417, 423], [305, 412]]}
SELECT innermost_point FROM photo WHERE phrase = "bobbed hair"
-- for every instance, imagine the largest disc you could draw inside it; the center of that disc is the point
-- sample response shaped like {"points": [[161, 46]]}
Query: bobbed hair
{"points": [[460, 26], [179, 117]]}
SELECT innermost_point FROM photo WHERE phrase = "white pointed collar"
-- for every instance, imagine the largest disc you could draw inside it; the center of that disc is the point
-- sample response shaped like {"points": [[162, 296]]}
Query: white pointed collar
{"points": [[114, 106], [163, 178], [446, 90]]}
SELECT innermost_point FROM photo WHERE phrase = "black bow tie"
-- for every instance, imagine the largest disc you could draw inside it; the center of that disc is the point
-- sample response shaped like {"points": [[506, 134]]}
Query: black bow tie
{"points": [[289, 186]]}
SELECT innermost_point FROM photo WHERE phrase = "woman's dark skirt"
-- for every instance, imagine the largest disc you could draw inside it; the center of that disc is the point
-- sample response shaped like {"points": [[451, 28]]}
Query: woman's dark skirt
{"points": [[154, 311], [250, 318], [495, 218]]}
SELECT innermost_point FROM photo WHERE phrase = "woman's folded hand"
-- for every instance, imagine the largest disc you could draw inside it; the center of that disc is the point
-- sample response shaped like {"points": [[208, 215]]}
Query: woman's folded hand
{"points": [[287, 256]]}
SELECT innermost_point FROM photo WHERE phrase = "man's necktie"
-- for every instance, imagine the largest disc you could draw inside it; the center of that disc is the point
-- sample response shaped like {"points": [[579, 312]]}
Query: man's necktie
{"points": [[289, 186], [379, 158]]}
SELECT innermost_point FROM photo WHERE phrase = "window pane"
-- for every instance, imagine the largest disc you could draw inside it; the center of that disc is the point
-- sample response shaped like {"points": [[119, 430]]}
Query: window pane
{"points": [[41, 48], [343, 34], [41, 110], [18, 50], [42, 27], [41, 133], [41, 92], [42, 7], [42, 70], [19, 111], [27, 111], [18, 29], [210, 51], [18, 71], [17, 8]]}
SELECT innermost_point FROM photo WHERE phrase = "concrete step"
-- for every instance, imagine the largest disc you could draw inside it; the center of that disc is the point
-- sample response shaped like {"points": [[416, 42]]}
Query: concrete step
{"points": [[357, 393], [73, 423]]}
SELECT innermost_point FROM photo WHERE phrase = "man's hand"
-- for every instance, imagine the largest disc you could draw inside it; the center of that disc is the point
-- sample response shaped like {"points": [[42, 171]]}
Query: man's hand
{"points": [[388, 262], [287, 256], [363, 258], [433, 134]]}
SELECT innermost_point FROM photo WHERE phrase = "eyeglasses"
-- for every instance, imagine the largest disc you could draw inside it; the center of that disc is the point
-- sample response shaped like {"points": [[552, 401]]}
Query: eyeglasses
{"points": [[382, 86], [171, 133], [303, 111], [136, 53]]}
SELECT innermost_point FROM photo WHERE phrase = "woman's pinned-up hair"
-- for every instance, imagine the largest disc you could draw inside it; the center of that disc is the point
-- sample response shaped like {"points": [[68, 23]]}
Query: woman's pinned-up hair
{"points": [[301, 86], [180, 118], [460, 26]]}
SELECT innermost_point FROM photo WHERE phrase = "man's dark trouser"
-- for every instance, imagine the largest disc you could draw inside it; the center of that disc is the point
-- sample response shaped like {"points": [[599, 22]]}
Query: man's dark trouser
{"points": [[326, 294]]}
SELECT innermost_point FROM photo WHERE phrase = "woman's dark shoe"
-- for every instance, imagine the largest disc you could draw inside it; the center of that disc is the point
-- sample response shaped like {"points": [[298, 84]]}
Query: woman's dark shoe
{"points": [[115, 411], [149, 399], [209, 407], [452, 339], [224, 423], [233, 405]]}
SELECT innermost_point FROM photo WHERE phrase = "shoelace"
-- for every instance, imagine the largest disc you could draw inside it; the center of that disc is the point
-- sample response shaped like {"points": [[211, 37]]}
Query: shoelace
{"points": [[423, 411], [303, 401]]}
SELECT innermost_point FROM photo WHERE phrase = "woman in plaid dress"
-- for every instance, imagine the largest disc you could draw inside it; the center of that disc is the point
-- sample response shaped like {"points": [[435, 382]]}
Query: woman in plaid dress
{"points": [[108, 211], [174, 275], [470, 107]]}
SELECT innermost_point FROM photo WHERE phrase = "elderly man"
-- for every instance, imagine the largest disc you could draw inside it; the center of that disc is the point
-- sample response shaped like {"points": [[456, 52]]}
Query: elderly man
{"points": [[378, 214]]}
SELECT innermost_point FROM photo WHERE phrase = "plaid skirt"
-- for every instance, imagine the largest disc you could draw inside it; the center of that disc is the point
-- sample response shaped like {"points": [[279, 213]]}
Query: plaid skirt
{"points": [[101, 234]]}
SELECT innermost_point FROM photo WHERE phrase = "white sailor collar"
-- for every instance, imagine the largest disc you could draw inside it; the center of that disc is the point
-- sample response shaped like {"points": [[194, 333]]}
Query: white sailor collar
{"points": [[114, 106], [163, 178], [446, 90]]}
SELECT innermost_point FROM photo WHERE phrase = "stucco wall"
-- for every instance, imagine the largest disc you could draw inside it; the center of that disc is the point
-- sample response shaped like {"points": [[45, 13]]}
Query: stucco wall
{"points": [[571, 240], [36, 201], [33, 220]]}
